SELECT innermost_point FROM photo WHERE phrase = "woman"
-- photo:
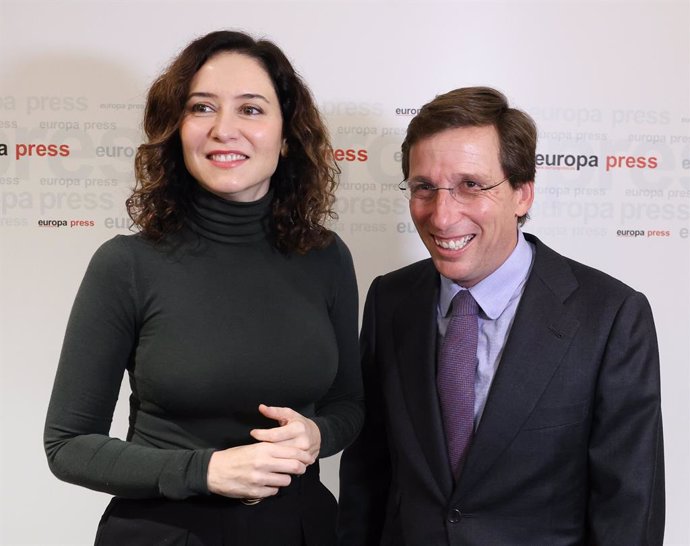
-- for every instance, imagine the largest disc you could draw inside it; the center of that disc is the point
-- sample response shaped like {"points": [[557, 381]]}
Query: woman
{"points": [[233, 311]]}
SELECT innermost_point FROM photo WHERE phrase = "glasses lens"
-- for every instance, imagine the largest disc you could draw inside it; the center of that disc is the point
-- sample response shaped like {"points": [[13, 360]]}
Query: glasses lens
{"points": [[463, 192], [468, 190], [422, 191]]}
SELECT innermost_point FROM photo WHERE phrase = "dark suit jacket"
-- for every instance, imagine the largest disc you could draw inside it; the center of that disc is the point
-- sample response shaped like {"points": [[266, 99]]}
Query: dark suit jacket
{"points": [[569, 450]]}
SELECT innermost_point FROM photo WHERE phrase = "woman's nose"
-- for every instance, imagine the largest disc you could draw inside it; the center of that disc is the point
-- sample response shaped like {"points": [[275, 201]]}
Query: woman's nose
{"points": [[225, 127]]}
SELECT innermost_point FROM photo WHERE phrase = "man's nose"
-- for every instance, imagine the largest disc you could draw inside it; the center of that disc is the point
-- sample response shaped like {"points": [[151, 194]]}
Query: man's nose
{"points": [[445, 209]]}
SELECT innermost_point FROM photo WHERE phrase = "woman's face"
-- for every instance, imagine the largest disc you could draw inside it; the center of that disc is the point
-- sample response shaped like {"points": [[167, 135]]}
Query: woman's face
{"points": [[232, 127]]}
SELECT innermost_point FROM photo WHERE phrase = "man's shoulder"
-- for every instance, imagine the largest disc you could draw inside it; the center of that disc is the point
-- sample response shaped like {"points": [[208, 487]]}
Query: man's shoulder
{"points": [[417, 272], [569, 274]]}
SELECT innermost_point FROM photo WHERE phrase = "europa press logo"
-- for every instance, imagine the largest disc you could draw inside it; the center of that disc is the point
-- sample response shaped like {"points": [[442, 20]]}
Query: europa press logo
{"points": [[575, 162], [350, 154], [24, 150]]}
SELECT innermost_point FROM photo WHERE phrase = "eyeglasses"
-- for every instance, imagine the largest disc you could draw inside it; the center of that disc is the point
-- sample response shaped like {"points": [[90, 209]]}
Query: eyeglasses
{"points": [[462, 192]]}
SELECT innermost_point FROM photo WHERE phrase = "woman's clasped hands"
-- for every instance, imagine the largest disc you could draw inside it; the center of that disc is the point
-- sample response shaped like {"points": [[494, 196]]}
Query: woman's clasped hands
{"points": [[259, 470]]}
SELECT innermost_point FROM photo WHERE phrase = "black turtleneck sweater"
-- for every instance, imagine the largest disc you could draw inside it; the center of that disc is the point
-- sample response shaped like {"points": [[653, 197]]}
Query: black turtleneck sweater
{"points": [[208, 324]]}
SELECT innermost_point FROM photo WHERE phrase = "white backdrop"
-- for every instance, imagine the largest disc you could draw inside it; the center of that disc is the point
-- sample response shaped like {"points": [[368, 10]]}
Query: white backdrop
{"points": [[605, 81]]}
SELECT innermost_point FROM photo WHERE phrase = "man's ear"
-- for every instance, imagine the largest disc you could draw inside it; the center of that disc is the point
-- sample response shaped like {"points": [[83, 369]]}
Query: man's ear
{"points": [[524, 197]]}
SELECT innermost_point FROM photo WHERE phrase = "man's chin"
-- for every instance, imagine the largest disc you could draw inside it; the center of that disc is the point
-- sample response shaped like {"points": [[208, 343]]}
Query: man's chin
{"points": [[450, 269]]}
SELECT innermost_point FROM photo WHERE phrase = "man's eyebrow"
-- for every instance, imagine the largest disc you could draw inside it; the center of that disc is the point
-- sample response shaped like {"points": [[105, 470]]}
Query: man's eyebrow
{"points": [[454, 178], [420, 178]]}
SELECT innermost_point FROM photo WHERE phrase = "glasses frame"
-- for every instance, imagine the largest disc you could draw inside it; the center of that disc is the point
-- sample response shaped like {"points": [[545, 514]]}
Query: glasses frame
{"points": [[405, 188]]}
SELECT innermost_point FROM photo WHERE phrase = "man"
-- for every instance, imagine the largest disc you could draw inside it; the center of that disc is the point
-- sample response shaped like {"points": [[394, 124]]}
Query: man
{"points": [[559, 440]]}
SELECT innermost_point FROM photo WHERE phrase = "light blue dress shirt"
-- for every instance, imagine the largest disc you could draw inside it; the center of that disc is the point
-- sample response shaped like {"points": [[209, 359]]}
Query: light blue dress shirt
{"points": [[497, 296]]}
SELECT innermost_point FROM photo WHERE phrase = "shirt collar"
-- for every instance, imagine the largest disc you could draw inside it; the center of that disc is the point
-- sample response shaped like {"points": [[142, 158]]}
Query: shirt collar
{"points": [[495, 292]]}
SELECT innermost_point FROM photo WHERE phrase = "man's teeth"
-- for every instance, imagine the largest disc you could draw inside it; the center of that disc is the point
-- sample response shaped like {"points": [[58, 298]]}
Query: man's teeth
{"points": [[454, 244], [228, 157]]}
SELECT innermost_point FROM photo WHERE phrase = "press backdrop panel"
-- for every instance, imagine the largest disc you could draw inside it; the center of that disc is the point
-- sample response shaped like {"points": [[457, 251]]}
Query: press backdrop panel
{"points": [[607, 82]]}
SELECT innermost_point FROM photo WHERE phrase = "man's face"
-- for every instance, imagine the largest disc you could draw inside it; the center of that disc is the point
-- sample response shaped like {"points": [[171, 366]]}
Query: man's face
{"points": [[467, 240]]}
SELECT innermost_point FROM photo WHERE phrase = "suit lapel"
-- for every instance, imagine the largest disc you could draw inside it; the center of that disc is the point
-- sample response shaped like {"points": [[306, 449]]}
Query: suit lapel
{"points": [[415, 330], [539, 338]]}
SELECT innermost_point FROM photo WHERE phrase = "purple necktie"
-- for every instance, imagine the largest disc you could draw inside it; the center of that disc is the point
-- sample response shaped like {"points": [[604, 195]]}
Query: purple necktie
{"points": [[457, 365]]}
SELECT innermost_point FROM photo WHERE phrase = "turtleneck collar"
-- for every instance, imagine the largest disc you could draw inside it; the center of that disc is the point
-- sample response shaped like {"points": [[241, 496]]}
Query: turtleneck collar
{"points": [[226, 221]]}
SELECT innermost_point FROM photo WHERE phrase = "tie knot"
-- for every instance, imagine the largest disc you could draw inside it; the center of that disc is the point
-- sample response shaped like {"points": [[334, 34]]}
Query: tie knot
{"points": [[464, 304]]}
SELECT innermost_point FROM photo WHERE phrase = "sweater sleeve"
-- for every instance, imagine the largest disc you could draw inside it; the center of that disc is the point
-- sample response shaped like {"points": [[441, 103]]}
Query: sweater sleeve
{"points": [[99, 345], [340, 413]]}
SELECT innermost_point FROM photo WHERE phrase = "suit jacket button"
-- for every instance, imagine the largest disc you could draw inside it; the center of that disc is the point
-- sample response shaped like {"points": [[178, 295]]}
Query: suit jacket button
{"points": [[455, 515]]}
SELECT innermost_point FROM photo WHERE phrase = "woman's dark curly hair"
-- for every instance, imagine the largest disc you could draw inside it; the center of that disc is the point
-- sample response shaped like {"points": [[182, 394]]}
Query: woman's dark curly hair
{"points": [[306, 177]]}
